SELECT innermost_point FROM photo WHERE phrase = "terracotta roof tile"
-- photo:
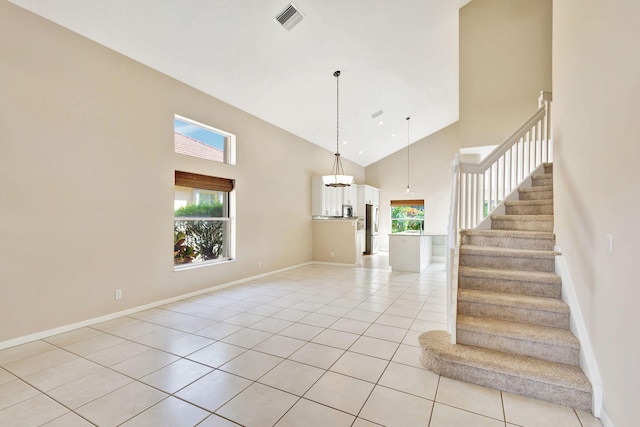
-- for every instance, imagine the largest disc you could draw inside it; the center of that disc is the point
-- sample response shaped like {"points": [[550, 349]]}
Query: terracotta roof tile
{"points": [[193, 147]]}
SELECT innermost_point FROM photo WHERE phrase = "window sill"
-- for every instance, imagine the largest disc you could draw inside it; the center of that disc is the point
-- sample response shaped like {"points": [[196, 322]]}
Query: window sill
{"points": [[192, 266]]}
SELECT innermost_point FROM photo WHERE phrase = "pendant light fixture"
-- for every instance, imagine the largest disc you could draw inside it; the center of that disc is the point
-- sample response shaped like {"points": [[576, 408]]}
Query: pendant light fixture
{"points": [[408, 188], [337, 177]]}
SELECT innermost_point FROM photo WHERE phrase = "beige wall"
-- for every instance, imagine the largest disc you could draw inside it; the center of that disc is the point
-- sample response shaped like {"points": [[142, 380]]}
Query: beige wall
{"points": [[596, 116], [337, 238], [505, 61], [79, 124], [430, 179]]}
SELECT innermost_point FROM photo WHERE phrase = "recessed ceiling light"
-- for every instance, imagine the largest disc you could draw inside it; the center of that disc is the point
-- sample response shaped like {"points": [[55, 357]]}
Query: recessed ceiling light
{"points": [[360, 152], [345, 142], [380, 122], [393, 135]]}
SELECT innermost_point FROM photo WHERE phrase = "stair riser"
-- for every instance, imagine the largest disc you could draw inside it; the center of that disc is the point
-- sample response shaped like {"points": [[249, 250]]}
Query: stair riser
{"points": [[514, 314], [552, 353], [534, 289], [529, 210], [535, 195], [509, 383], [548, 169], [508, 242], [508, 263], [540, 181], [521, 225]]}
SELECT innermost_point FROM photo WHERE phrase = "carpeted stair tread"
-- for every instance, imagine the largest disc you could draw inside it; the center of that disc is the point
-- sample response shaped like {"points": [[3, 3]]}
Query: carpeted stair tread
{"points": [[509, 238], [494, 273], [556, 382], [528, 202], [529, 207], [506, 252], [540, 180], [520, 331], [538, 189], [531, 218], [550, 372], [511, 300], [520, 234], [510, 307], [519, 282]]}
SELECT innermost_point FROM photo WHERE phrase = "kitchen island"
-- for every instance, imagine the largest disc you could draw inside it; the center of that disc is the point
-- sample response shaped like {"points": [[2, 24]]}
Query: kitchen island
{"points": [[409, 251]]}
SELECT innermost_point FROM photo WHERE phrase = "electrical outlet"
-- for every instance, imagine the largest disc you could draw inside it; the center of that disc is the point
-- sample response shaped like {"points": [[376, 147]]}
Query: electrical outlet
{"points": [[332, 254], [609, 243], [118, 293]]}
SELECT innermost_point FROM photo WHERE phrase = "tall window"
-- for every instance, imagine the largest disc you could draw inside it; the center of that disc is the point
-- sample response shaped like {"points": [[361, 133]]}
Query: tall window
{"points": [[407, 215], [199, 140], [202, 229]]}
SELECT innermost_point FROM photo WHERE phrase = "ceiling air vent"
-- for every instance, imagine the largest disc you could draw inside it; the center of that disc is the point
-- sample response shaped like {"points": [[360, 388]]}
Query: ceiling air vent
{"points": [[289, 17]]}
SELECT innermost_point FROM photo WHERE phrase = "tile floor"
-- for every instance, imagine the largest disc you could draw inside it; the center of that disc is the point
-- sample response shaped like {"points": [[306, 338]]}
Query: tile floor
{"points": [[314, 346]]}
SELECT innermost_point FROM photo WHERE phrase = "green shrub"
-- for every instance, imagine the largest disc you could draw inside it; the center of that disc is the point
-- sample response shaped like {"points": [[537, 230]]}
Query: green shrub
{"points": [[201, 210]]}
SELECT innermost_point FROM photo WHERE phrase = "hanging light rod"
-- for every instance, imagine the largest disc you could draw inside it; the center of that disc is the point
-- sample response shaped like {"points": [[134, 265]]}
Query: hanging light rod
{"points": [[337, 177], [408, 190]]}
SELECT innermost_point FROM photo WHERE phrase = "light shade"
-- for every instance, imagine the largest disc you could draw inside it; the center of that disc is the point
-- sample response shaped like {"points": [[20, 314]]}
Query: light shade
{"points": [[337, 180]]}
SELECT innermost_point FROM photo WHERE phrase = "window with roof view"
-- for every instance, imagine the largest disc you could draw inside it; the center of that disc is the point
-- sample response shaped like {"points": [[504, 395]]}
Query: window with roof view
{"points": [[196, 139]]}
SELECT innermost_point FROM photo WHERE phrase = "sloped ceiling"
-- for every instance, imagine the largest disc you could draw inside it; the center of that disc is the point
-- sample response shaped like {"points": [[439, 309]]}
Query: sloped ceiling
{"points": [[398, 57]]}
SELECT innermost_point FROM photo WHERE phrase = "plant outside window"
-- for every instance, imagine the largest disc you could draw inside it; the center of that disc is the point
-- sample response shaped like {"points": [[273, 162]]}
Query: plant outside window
{"points": [[407, 218]]}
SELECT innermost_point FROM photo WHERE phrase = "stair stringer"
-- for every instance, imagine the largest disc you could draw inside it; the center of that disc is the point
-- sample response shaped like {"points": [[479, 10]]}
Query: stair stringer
{"points": [[579, 329]]}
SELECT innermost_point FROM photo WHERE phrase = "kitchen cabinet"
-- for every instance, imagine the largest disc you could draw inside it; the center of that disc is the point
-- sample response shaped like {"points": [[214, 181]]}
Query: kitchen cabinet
{"points": [[325, 201], [409, 251], [350, 197], [367, 195]]}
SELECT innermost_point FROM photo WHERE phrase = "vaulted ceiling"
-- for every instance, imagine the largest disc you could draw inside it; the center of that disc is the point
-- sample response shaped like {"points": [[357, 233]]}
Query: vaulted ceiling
{"points": [[395, 57]]}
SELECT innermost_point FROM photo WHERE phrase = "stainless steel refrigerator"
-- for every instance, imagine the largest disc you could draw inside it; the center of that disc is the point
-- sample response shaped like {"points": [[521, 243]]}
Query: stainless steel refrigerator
{"points": [[371, 229]]}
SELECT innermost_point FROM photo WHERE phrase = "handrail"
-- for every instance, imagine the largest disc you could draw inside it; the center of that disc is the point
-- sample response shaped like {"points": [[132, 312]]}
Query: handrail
{"points": [[478, 189], [506, 145]]}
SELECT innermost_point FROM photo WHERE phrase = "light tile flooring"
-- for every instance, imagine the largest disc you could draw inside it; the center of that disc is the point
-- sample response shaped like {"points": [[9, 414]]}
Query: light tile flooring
{"points": [[314, 346]]}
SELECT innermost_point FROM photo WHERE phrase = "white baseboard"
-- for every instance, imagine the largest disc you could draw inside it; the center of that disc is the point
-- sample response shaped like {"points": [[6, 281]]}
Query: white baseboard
{"points": [[579, 329], [605, 420], [93, 321]]}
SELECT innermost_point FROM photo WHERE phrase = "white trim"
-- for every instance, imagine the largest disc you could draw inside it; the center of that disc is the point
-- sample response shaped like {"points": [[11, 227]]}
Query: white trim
{"points": [[605, 420], [336, 264], [89, 322], [578, 327]]}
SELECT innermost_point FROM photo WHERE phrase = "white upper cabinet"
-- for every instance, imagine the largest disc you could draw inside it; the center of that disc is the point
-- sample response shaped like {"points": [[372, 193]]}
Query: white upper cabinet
{"points": [[328, 201], [367, 195], [350, 197], [325, 201]]}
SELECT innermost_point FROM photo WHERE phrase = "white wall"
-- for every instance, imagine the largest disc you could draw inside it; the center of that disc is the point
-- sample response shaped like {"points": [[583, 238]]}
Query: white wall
{"points": [[596, 116], [87, 152], [505, 61]]}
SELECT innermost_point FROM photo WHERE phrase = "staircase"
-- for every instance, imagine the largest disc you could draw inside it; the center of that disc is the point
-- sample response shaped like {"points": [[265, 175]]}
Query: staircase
{"points": [[512, 328]]}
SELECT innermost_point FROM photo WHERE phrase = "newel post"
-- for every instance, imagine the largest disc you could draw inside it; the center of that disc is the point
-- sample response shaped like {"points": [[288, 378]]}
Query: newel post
{"points": [[544, 100]]}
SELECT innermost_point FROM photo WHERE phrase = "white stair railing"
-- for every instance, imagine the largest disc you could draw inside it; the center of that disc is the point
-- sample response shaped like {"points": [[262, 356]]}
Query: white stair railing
{"points": [[477, 189]]}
